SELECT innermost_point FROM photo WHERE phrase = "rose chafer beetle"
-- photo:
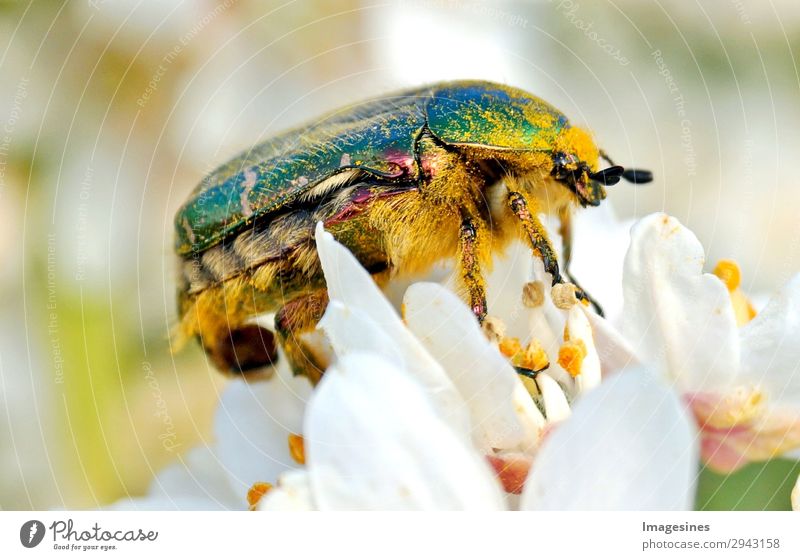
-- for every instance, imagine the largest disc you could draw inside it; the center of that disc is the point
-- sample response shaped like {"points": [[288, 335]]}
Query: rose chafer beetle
{"points": [[454, 170]]}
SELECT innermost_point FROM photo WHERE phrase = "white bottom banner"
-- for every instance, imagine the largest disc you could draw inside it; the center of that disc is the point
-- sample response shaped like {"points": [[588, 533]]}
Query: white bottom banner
{"points": [[762, 535]]}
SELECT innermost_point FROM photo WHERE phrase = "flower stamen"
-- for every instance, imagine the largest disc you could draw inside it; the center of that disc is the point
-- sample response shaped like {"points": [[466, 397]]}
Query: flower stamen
{"points": [[256, 492], [510, 347], [571, 355], [730, 274], [534, 356], [741, 407], [297, 448]]}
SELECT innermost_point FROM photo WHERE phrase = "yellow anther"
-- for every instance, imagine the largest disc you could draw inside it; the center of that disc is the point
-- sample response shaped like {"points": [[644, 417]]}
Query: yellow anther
{"points": [[256, 492], [571, 355], [510, 347], [297, 448], [534, 357], [728, 271]]}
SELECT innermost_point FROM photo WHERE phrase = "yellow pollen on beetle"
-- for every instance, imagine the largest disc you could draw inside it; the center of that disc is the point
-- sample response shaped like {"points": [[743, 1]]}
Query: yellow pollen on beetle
{"points": [[571, 356], [578, 141], [297, 448], [730, 274], [256, 492]]}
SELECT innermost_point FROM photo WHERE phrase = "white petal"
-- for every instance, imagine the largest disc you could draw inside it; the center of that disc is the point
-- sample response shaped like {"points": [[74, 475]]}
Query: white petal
{"points": [[373, 441], [678, 320], [252, 427], [629, 445], [292, 493], [360, 319], [503, 415], [509, 273], [196, 483], [351, 330], [770, 347], [555, 401], [599, 245], [796, 495], [614, 350]]}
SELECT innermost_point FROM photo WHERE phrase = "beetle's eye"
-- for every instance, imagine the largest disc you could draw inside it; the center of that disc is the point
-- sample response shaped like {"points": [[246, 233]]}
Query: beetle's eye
{"points": [[609, 176], [561, 167], [560, 159]]}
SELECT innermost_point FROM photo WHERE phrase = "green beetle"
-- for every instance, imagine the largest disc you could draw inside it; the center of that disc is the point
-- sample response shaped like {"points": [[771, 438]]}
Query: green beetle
{"points": [[454, 170]]}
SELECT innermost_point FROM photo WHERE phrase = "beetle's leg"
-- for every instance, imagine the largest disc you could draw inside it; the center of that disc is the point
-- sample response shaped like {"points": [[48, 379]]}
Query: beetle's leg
{"points": [[471, 269], [537, 235], [565, 230], [297, 318]]}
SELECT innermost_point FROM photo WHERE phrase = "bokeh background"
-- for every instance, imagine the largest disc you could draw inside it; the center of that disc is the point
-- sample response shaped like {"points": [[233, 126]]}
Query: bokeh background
{"points": [[111, 112]]}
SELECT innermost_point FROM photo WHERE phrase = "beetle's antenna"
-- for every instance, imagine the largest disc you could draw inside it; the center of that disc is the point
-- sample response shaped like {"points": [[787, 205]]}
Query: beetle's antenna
{"points": [[635, 176], [608, 176], [605, 157]]}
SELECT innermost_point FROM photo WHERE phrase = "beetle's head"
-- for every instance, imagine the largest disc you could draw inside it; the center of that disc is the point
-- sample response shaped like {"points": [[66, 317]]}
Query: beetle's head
{"points": [[576, 165], [589, 185]]}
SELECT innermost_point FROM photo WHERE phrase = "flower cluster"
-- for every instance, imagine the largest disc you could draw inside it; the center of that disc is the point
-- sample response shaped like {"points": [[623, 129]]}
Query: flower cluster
{"points": [[428, 411]]}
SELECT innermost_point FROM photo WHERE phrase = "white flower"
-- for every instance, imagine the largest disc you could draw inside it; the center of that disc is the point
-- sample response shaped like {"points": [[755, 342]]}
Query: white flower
{"points": [[743, 384], [377, 437], [374, 441]]}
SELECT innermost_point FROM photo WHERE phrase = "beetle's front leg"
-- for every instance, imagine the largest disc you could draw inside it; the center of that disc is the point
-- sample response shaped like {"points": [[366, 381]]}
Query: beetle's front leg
{"points": [[537, 235], [565, 230], [471, 268]]}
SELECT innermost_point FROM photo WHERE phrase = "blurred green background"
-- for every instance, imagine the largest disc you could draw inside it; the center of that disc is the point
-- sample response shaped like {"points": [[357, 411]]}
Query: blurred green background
{"points": [[111, 111]]}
